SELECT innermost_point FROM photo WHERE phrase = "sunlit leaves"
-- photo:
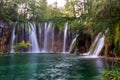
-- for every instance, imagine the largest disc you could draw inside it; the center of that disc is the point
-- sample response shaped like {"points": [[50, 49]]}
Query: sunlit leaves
{"points": [[20, 45], [24, 44]]}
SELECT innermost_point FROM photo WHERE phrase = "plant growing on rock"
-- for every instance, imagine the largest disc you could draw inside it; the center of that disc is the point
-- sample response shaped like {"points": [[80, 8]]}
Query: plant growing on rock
{"points": [[20, 45]]}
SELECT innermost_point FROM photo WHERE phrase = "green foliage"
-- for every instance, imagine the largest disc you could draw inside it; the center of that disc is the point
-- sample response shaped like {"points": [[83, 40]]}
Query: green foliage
{"points": [[110, 75], [8, 10], [20, 45], [60, 21], [117, 38], [76, 25], [1, 53], [74, 46], [117, 33], [105, 13], [23, 44], [36, 10], [73, 8]]}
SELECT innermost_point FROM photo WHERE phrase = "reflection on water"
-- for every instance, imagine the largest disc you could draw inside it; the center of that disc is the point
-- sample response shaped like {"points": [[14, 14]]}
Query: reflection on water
{"points": [[51, 67]]}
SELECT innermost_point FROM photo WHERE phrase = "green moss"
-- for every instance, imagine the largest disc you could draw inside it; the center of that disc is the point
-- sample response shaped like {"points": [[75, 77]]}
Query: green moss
{"points": [[60, 21], [117, 38], [74, 46]]}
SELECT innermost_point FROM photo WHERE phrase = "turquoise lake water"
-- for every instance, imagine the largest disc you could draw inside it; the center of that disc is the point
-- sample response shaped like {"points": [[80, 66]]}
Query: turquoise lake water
{"points": [[52, 67]]}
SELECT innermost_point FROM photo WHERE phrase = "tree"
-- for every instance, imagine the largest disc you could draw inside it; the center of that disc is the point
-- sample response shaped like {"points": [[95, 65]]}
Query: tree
{"points": [[74, 8]]}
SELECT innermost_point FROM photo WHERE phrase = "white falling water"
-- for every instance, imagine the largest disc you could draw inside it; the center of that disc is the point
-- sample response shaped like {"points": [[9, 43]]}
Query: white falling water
{"points": [[93, 44], [45, 38], [100, 44], [65, 37], [49, 37], [52, 36], [73, 43], [13, 37], [97, 46], [33, 39]]}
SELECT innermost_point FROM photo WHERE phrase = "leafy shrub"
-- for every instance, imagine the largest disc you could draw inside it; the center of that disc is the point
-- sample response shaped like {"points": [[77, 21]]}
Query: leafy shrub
{"points": [[1, 53], [110, 75], [20, 45]]}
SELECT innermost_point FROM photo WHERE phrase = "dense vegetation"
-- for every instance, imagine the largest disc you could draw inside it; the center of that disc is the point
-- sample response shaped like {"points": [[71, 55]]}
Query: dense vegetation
{"points": [[110, 75], [93, 16]]}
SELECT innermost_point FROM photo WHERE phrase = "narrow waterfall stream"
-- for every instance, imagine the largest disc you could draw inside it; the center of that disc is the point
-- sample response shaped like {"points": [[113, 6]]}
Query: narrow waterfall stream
{"points": [[73, 41], [13, 37], [99, 46], [33, 40], [65, 37], [45, 37], [48, 38], [96, 46]]}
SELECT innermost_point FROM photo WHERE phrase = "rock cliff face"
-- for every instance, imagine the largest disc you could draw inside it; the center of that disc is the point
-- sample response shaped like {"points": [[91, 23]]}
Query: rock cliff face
{"points": [[5, 31], [84, 42], [81, 44]]}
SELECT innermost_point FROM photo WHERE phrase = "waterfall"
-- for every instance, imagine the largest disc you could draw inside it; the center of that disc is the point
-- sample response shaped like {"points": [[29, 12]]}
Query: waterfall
{"points": [[73, 41], [65, 37], [40, 37], [93, 45], [33, 39], [13, 37], [52, 40], [96, 46], [44, 38], [99, 46], [48, 38]]}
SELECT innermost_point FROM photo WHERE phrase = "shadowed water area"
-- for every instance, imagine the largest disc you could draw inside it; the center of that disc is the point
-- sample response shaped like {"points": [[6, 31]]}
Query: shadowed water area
{"points": [[52, 67]]}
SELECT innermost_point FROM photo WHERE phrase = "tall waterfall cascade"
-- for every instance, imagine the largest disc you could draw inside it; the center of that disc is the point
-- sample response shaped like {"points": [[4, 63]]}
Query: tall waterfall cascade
{"points": [[43, 38], [33, 40], [46, 38], [65, 37]]}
